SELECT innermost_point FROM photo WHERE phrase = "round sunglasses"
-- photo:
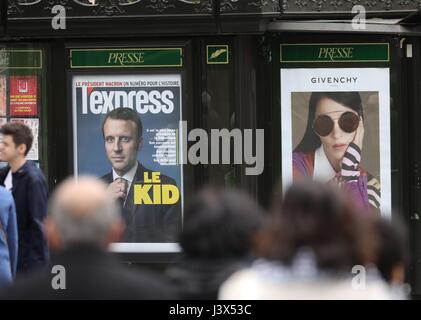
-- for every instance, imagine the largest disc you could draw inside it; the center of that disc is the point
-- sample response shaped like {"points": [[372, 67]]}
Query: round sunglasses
{"points": [[348, 122]]}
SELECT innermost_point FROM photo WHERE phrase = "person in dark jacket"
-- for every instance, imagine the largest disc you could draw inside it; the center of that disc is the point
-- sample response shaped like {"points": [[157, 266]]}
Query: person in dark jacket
{"points": [[29, 189], [83, 221], [218, 230], [149, 222], [8, 238]]}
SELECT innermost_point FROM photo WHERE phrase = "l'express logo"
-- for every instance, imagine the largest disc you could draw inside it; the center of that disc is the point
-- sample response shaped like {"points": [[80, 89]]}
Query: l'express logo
{"points": [[104, 100], [126, 58]]}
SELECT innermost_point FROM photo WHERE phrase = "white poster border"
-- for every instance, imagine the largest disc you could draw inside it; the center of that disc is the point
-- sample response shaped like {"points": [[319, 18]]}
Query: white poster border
{"points": [[367, 79], [133, 247]]}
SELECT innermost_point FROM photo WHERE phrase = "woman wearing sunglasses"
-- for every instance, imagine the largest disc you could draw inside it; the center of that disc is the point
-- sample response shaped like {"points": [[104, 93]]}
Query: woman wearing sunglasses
{"points": [[330, 150]]}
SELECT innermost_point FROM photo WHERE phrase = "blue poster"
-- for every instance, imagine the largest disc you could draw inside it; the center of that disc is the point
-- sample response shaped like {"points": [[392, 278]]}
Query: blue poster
{"points": [[126, 130]]}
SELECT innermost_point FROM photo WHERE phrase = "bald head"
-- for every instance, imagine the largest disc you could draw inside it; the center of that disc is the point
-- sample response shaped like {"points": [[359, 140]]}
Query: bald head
{"points": [[81, 197], [81, 212]]}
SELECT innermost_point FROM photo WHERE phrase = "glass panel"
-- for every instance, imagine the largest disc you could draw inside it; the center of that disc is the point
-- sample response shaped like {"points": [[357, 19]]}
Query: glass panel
{"points": [[22, 94], [219, 113]]}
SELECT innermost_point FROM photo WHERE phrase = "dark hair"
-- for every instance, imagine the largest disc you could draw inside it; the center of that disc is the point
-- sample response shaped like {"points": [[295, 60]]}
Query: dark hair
{"points": [[311, 140], [126, 114], [317, 216], [20, 133], [393, 246], [220, 224]]}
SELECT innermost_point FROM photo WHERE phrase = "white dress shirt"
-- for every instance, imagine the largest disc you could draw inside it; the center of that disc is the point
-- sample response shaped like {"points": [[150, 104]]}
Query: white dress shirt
{"points": [[129, 176], [8, 182], [323, 170]]}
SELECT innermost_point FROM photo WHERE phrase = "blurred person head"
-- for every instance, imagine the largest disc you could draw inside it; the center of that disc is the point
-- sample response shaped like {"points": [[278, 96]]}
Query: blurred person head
{"points": [[392, 257], [220, 223], [16, 141], [82, 213], [122, 131], [318, 217]]}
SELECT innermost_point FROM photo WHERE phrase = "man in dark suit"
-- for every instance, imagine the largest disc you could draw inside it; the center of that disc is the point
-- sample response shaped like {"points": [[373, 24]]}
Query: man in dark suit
{"points": [[153, 219], [82, 222]]}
